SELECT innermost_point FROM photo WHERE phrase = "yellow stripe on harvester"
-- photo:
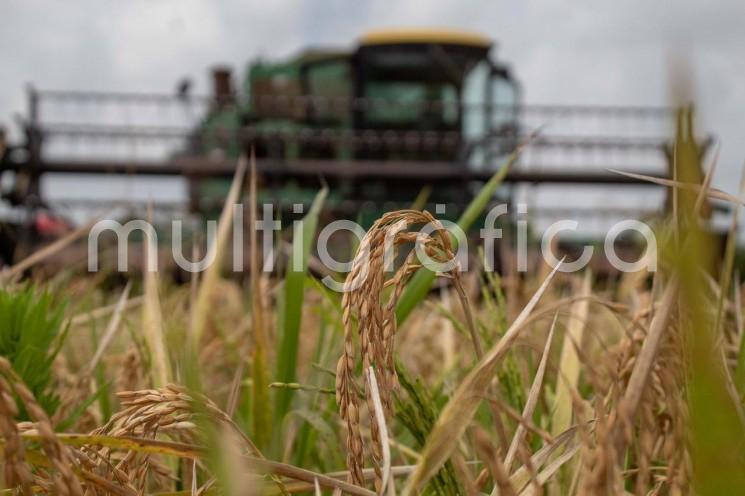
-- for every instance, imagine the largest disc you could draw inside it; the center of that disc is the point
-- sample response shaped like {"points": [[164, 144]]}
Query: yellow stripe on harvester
{"points": [[418, 35]]}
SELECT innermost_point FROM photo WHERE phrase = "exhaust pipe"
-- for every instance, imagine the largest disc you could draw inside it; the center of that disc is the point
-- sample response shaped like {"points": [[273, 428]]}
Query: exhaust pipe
{"points": [[222, 86]]}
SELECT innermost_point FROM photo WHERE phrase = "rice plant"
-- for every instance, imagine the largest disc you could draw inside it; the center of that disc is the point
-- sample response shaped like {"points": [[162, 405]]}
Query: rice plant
{"points": [[32, 330], [550, 382]]}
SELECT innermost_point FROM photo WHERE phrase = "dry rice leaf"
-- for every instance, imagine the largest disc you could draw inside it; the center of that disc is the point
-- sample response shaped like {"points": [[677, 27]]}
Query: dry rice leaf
{"points": [[532, 401], [85, 318], [111, 329], [521, 477], [383, 430], [125, 443], [713, 192], [458, 412], [202, 307], [551, 469], [260, 400], [152, 319], [706, 186], [490, 456], [569, 363]]}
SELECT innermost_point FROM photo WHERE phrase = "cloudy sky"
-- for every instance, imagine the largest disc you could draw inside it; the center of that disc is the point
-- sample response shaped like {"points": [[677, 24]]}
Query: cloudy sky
{"points": [[572, 52]]}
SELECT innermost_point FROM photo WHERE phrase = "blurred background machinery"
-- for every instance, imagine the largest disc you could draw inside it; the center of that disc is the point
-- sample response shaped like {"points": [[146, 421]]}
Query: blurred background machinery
{"points": [[400, 112]]}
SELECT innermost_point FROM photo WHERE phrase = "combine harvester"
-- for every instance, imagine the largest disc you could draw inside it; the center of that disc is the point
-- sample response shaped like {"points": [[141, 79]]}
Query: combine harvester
{"points": [[403, 111]]}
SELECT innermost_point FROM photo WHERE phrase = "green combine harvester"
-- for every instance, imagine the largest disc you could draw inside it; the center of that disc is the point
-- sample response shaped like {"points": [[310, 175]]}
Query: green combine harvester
{"points": [[402, 110], [401, 113]]}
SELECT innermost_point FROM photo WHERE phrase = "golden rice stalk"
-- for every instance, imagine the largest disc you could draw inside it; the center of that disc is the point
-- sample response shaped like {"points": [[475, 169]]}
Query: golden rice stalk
{"points": [[201, 309], [16, 472], [569, 363], [458, 412], [377, 320], [152, 319], [62, 480], [174, 411]]}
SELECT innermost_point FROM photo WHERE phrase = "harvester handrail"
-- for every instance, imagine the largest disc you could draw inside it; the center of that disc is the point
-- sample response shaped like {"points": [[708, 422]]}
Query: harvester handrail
{"points": [[360, 102]]}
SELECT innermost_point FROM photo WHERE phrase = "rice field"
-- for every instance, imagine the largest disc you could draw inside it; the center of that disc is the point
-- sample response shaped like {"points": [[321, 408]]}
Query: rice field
{"points": [[484, 383]]}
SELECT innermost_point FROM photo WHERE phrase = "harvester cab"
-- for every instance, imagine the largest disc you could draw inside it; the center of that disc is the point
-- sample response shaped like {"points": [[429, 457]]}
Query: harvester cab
{"points": [[434, 81], [383, 100]]}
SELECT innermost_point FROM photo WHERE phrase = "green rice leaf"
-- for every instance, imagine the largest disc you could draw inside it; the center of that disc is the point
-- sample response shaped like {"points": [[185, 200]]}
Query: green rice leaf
{"points": [[292, 308]]}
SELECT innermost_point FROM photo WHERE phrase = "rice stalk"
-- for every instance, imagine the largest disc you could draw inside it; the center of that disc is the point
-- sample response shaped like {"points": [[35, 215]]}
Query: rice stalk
{"points": [[260, 404], [376, 319]]}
